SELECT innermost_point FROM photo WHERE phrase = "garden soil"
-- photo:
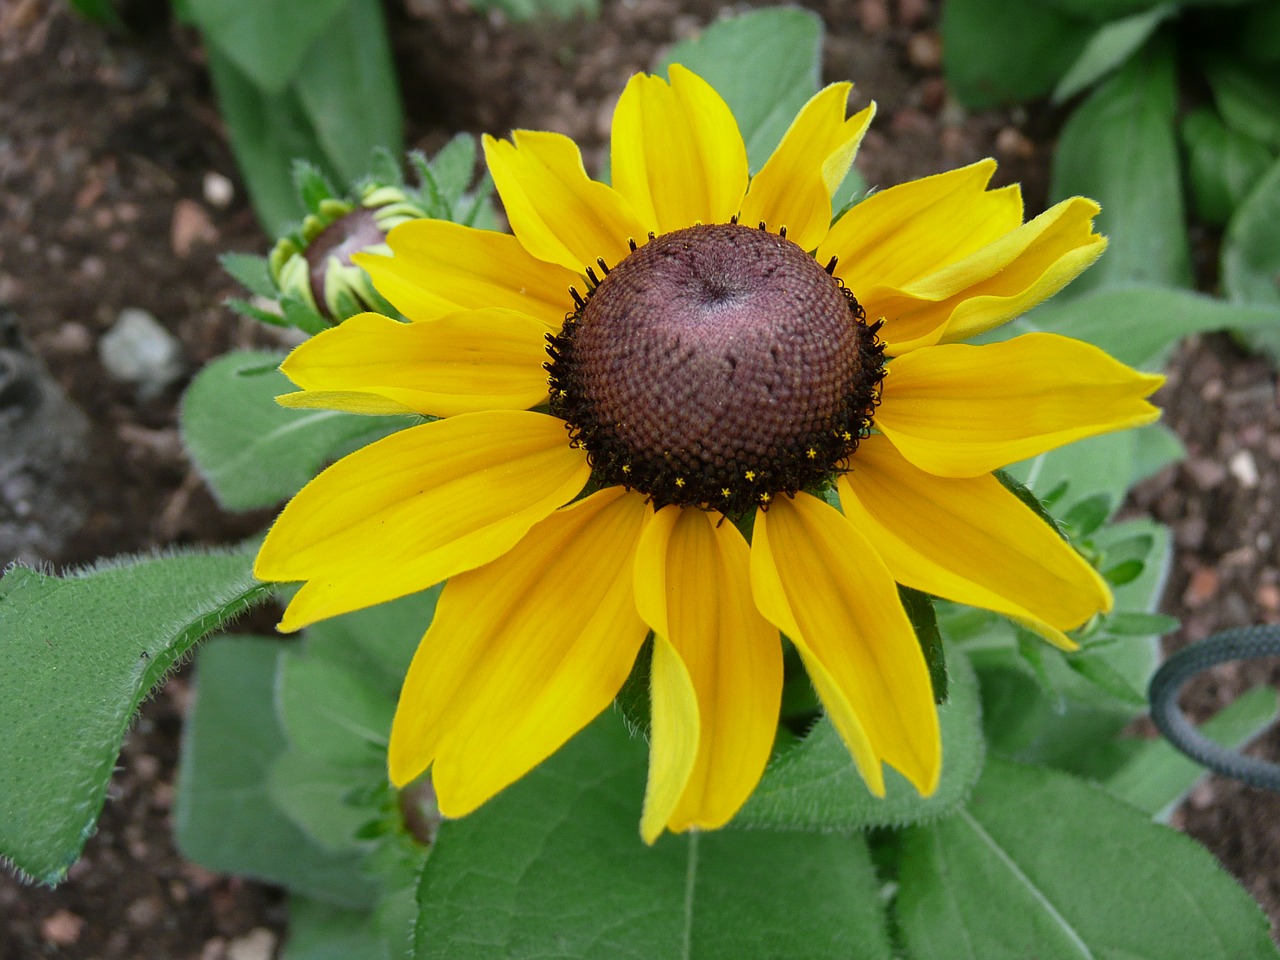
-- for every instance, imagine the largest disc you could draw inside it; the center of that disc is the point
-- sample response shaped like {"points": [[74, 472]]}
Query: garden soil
{"points": [[118, 190]]}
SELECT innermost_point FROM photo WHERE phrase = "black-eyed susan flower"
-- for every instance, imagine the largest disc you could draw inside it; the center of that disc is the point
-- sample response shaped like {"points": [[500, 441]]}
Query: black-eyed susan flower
{"points": [[638, 363]]}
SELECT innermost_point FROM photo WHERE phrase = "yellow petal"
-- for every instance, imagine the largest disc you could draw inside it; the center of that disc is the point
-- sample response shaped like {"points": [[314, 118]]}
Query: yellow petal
{"points": [[674, 735], [969, 540], [522, 653], [676, 153], [558, 213], [961, 411], [794, 187], [441, 267], [717, 671], [463, 362], [414, 508], [898, 235], [820, 580], [1002, 280]]}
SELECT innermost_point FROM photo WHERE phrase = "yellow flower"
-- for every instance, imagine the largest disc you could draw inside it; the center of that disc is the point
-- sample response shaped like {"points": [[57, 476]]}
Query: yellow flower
{"points": [[698, 364]]}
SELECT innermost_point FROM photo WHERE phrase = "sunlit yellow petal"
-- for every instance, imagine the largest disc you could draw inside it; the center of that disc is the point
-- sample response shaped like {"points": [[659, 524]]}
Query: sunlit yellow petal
{"points": [[559, 214], [794, 187], [820, 581], [969, 540], [462, 362], [441, 267], [416, 507], [676, 153], [903, 233], [673, 737], [961, 411], [1002, 280], [523, 653], [693, 588]]}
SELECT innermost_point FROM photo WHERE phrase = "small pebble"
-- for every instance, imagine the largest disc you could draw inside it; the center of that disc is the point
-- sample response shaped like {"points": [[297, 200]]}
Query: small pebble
{"points": [[190, 228], [924, 51], [1202, 588], [1204, 472], [257, 944], [144, 912], [219, 191], [71, 337], [1011, 142], [62, 928], [138, 350], [1244, 469]]}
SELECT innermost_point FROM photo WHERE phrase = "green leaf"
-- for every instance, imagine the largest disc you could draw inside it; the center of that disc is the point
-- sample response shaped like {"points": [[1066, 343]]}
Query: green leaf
{"points": [[997, 52], [321, 931], [268, 131], [376, 643], [347, 87], [1247, 99], [1259, 33], [101, 12], [1140, 624], [251, 451], [266, 40], [320, 798], [332, 713], [1107, 465], [1222, 165], [554, 867], [1139, 325], [1120, 148], [224, 817], [451, 171], [815, 786], [251, 272], [1111, 46], [77, 655], [1104, 10], [1122, 573], [919, 608], [1088, 514], [531, 9], [1158, 776], [1043, 865], [313, 186], [1251, 259], [1095, 668], [766, 64], [1073, 730]]}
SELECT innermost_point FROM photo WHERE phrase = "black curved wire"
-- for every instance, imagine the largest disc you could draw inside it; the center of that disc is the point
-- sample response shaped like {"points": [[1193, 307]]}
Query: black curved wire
{"points": [[1242, 643]]}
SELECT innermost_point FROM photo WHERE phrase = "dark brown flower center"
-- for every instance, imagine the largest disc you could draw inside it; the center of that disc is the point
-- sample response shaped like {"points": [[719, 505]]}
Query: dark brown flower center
{"points": [[346, 236], [717, 366]]}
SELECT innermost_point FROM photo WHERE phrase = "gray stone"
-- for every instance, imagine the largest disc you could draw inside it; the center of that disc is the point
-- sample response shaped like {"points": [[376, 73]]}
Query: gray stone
{"points": [[140, 351]]}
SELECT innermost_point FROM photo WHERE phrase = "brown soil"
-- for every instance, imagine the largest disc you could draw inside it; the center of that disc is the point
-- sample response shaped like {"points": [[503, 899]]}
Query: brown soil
{"points": [[106, 144]]}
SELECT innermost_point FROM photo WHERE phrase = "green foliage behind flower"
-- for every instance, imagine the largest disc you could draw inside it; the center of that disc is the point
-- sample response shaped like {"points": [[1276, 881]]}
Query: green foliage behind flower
{"points": [[1172, 99]]}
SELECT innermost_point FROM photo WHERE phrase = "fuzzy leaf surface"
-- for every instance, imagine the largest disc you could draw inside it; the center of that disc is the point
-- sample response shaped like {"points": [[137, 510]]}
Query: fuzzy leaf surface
{"points": [[224, 815], [251, 451], [1120, 148], [1040, 864], [1251, 258], [997, 53], [78, 653], [815, 786], [554, 867]]}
